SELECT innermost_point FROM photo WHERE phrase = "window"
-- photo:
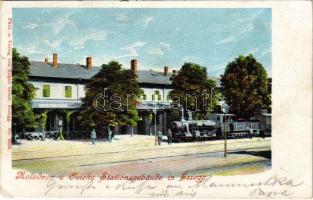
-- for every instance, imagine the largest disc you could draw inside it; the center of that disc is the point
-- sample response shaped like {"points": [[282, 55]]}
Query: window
{"points": [[68, 91], [144, 97], [167, 97], [46, 90], [156, 95]]}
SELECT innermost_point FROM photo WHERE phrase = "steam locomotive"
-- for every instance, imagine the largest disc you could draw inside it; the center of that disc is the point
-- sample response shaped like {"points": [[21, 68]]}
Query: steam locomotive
{"points": [[217, 125]]}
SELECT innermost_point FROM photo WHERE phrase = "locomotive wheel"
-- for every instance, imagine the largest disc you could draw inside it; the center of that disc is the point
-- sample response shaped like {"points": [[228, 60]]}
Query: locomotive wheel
{"points": [[30, 137], [48, 135]]}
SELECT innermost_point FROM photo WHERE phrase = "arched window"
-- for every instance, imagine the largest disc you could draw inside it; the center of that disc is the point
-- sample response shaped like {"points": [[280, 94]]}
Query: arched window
{"points": [[156, 96]]}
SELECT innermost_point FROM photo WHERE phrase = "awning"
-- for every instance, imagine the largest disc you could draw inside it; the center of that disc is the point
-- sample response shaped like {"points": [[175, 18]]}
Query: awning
{"points": [[56, 103], [74, 104], [154, 105]]}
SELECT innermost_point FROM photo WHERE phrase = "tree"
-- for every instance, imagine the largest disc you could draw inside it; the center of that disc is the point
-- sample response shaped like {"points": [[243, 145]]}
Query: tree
{"points": [[245, 87], [192, 91], [111, 98], [42, 121], [68, 115], [22, 93], [43, 116]]}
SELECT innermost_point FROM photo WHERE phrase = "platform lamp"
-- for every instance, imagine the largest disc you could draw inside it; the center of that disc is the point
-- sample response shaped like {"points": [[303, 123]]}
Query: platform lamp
{"points": [[211, 97], [154, 110]]}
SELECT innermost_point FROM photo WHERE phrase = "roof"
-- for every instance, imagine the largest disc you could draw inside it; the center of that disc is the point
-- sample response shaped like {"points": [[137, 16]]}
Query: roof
{"points": [[70, 71], [153, 77], [78, 71]]}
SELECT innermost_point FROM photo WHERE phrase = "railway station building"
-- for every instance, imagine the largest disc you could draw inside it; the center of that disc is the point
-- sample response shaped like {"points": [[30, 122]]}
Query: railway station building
{"points": [[60, 87]]}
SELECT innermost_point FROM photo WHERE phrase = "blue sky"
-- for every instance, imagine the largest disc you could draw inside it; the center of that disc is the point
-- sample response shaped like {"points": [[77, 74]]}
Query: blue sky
{"points": [[156, 37]]}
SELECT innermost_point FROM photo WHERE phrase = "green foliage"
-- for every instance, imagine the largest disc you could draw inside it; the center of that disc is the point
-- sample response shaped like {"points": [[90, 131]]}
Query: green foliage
{"points": [[43, 119], [192, 89], [68, 115], [61, 136], [132, 118], [22, 93], [245, 87], [122, 93]]}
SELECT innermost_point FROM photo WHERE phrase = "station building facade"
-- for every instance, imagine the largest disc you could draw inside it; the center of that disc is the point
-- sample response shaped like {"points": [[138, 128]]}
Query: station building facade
{"points": [[60, 87]]}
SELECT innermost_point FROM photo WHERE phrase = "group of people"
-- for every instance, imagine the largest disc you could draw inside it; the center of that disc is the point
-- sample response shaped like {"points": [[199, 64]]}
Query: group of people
{"points": [[93, 136], [169, 136]]}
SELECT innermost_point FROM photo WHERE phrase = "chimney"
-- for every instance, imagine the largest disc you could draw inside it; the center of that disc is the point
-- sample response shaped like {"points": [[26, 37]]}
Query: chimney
{"points": [[55, 60], [89, 62], [46, 60], [165, 70], [133, 65]]}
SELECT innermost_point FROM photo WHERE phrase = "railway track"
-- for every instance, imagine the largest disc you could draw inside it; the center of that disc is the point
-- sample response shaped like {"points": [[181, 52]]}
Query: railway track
{"points": [[168, 147], [62, 162], [265, 148]]}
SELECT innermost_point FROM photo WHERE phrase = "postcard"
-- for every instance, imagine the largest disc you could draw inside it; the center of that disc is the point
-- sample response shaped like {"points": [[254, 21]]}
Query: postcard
{"points": [[139, 99]]}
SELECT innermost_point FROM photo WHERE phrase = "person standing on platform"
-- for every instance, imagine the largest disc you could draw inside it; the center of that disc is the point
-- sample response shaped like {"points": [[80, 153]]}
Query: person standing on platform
{"points": [[159, 137], [93, 136], [109, 134], [169, 136]]}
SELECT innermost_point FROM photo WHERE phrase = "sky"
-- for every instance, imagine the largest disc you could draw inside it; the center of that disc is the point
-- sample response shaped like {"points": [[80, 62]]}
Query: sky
{"points": [[156, 37]]}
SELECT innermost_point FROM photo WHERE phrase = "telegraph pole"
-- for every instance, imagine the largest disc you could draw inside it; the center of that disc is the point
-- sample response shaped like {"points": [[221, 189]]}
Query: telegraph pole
{"points": [[155, 116], [211, 96], [225, 137], [225, 131], [155, 136]]}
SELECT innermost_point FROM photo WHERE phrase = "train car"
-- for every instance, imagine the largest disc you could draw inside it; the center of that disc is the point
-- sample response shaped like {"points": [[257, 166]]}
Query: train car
{"points": [[234, 128], [214, 127], [265, 123]]}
